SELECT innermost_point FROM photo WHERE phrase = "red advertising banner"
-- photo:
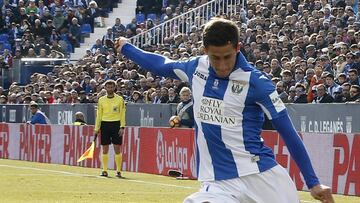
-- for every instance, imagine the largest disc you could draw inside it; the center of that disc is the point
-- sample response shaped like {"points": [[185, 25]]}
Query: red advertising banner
{"points": [[335, 157], [157, 150]]}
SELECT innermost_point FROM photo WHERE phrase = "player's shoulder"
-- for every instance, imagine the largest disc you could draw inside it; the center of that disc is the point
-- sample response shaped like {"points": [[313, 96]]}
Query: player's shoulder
{"points": [[101, 99], [261, 81], [118, 97]]}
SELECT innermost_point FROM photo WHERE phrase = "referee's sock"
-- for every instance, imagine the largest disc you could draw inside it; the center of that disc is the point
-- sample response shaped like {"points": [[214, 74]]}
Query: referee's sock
{"points": [[105, 161], [118, 161]]}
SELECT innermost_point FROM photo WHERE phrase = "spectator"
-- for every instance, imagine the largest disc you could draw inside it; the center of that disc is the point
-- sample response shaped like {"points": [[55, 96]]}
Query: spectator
{"points": [[184, 110], [118, 29], [331, 85], [93, 12], [350, 62], [315, 80], [354, 93], [322, 96], [83, 98], [136, 97], [287, 79], [3, 99], [38, 117], [98, 46], [354, 77], [300, 94], [173, 97], [49, 97], [75, 32], [109, 36], [281, 91], [59, 19], [79, 118], [164, 97]]}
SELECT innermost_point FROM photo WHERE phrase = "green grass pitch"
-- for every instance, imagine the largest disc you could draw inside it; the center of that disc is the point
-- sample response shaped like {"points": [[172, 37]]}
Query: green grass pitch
{"points": [[22, 181]]}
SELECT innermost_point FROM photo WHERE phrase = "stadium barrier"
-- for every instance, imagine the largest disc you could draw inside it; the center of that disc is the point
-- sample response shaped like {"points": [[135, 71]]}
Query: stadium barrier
{"points": [[335, 156], [328, 118]]}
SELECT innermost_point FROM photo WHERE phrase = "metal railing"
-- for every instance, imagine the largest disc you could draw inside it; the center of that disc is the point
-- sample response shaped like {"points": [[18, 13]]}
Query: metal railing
{"points": [[183, 23]]}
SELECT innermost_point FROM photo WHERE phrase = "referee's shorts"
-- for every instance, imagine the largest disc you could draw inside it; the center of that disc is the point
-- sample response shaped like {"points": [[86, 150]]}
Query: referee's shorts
{"points": [[110, 133]]}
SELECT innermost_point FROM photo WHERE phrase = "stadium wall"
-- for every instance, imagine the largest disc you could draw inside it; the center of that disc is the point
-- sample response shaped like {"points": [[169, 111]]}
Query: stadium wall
{"points": [[317, 118], [335, 156]]}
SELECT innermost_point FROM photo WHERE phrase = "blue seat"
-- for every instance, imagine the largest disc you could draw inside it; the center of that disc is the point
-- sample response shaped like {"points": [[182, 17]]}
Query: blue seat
{"points": [[140, 18], [85, 29], [69, 48], [162, 17], [6, 46], [152, 16], [4, 38]]}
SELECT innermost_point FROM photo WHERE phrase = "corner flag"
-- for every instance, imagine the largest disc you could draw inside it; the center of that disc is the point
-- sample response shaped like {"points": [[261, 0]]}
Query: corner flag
{"points": [[89, 153]]}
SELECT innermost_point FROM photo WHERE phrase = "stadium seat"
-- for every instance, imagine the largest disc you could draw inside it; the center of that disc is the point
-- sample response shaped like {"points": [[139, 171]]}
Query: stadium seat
{"points": [[85, 29], [4, 38], [7, 46], [152, 16], [162, 17], [69, 48], [140, 18]]}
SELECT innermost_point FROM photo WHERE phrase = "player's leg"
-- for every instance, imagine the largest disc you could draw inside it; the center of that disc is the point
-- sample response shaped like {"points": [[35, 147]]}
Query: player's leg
{"points": [[117, 142], [118, 160], [273, 185], [211, 192], [105, 142], [104, 160]]}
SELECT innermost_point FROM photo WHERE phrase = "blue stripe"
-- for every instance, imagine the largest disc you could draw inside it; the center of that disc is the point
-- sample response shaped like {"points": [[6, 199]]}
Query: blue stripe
{"points": [[222, 158], [252, 131], [197, 151]]}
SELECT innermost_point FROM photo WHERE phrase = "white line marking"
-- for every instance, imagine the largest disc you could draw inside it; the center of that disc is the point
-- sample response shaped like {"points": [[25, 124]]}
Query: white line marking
{"points": [[34, 174], [88, 175]]}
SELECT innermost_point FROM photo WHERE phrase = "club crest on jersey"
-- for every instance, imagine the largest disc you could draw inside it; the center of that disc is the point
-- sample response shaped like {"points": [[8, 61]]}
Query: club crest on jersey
{"points": [[236, 87], [216, 84], [115, 109]]}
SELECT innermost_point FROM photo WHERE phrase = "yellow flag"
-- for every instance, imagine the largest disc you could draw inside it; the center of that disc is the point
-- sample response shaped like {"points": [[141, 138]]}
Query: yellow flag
{"points": [[89, 153]]}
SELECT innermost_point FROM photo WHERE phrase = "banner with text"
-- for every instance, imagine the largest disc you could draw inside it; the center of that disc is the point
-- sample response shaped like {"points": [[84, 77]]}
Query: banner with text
{"points": [[325, 118], [335, 156], [157, 150]]}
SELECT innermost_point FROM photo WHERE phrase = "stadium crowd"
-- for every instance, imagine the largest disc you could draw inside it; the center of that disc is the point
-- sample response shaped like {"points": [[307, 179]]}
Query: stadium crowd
{"points": [[310, 50], [46, 28]]}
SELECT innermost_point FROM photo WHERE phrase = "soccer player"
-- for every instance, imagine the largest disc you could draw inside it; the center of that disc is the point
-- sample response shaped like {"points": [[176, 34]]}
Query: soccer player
{"points": [[110, 120], [230, 99]]}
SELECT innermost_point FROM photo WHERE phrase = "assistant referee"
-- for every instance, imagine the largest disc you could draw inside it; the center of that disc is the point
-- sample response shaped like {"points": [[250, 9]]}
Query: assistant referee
{"points": [[110, 121]]}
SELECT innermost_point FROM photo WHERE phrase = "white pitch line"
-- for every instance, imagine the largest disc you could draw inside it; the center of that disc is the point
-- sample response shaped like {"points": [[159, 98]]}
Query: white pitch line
{"points": [[34, 174], [88, 175]]}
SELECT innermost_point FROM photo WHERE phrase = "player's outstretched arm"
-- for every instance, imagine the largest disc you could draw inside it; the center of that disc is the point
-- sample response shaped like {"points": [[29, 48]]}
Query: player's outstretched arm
{"points": [[120, 42], [298, 151], [155, 63], [322, 193]]}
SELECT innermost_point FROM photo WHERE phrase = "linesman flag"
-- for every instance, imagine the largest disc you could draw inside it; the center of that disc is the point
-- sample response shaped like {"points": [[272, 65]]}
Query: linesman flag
{"points": [[89, 153]]}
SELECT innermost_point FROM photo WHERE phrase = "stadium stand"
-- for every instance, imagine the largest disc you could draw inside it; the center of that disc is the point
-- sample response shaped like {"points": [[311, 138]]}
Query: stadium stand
{"points": [[299, 44]]}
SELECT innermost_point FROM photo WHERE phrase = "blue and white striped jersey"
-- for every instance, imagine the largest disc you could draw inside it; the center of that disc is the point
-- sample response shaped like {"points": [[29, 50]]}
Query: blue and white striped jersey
{"points": [[228, 112]]}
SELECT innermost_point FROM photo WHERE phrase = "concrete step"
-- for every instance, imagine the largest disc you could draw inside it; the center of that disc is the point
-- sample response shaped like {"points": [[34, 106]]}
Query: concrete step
{"points": [[125, 11]]}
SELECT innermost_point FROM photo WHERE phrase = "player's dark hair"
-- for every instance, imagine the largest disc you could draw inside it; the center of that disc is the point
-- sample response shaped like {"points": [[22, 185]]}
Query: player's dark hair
{"points": [[220, 32], [110, 82]]}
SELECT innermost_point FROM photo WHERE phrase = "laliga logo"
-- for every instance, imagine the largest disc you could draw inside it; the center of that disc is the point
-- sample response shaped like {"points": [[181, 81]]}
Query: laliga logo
{"points": [[193, 165], [160, 152]]}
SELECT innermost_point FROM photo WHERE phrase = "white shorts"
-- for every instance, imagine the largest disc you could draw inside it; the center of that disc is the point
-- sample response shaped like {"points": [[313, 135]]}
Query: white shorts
{"points": [[273, 185]]}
